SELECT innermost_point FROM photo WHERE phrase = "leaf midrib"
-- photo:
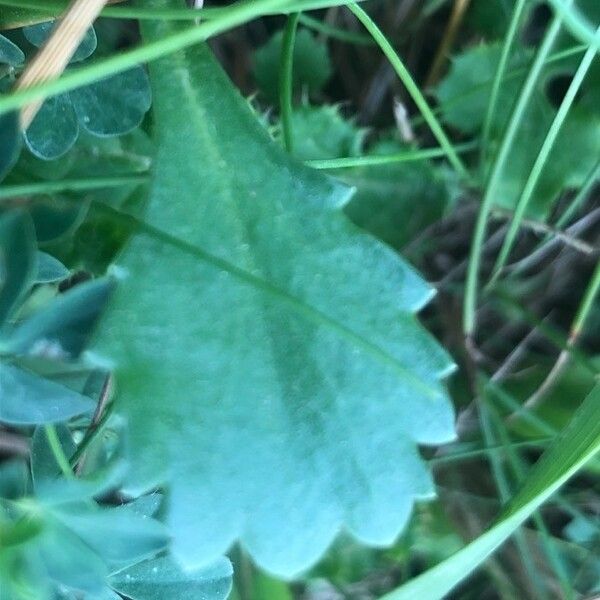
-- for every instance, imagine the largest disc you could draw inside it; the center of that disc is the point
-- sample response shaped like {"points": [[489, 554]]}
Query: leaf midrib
{"points": [[310, 313]]}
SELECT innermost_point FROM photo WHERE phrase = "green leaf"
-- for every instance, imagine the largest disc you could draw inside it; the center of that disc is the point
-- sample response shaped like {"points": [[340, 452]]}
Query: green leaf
{"points": [[38, 34], [10, 142], [312, 67], [55, 217], [162, 578], [10, 54], [120, 536], [17, 260], [579, 442], [63, 326], [259, 340], [50, 269], [114, 105], [27, 399], [67, 560], [54, 129]]}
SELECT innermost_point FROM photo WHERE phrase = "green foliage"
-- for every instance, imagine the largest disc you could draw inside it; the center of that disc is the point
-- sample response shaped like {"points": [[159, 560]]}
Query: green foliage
{"points": [[390, 201], [312, 67], [577, 444], [207, 346], [474, 71], [394, 201], [10, 54], [115, 105], [321, 132], [283, 269], [110, 107], [17, 253]]}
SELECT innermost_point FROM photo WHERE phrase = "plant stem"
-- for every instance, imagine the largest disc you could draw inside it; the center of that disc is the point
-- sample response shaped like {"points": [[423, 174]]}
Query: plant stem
{"points": [[385, 159], [499, 77], [286, 77], [336, 33], [71, 185], [581, 196], [541, 159], [411, 87], [470, 302]]}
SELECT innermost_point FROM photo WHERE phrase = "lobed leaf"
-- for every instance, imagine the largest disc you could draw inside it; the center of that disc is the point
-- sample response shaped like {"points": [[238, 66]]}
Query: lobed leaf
{"points": [[266, 352]]}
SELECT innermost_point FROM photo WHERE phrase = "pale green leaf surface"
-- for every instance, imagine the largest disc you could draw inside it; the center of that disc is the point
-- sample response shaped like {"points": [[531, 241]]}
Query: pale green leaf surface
{"points": [[263, 346], [162, 578], [54, 129], [67, 560], [579, 442], [26, 399]]}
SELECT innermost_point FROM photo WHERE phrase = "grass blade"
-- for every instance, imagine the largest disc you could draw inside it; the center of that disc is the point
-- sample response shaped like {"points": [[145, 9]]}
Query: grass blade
{"points": [[579, 443], [499, 77], [489, 196], [411, 87], [286, 74], [542, 157]]}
